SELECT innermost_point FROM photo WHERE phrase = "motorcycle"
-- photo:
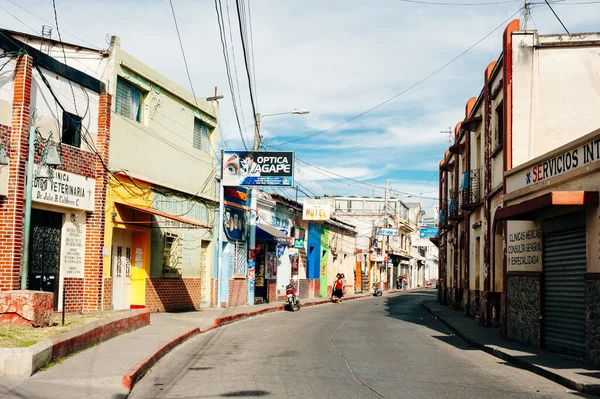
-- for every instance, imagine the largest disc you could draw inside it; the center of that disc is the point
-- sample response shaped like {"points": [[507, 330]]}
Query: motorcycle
{"points": [[376, 290], [293, 302]]}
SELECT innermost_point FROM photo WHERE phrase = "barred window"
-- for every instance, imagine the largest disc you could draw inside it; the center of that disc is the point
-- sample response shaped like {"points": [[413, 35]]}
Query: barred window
{"points": [[172, 254], [71, 129], [201, 135], [238, 258], [128, 102]]}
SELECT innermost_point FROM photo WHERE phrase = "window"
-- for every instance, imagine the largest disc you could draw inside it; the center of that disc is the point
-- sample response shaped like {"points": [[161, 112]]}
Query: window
{"points": [[71, 129], [201, 135], [500, 124], [128, 100], [172, 253], [238, 259]]}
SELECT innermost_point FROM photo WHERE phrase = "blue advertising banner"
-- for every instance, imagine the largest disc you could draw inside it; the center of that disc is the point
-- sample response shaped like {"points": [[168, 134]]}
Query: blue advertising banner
{"points": [[258, 168], [428, 232], [235, 224]]}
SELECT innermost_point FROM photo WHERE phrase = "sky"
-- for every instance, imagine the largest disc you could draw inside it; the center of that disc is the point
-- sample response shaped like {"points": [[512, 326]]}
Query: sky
{"points": [[339, 59]]}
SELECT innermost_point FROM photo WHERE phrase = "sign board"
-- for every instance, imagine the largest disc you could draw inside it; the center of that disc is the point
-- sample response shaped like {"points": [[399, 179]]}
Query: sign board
{"points": [[373, 257], [387, 232], [66, 189], [237, 195], [428, 232], [557, 165], [298, 242], [316, 209], [234, 223], [523, 246], [247, 168], [73, 249]]}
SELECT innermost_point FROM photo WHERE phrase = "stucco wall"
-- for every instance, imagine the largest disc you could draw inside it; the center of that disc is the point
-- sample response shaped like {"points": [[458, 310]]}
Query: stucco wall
{"points": [[555, 93]]}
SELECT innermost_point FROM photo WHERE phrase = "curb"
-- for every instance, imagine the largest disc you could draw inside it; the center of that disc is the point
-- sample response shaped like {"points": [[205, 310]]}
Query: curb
{"points": [[24, 362], [138, 370], [559, 379]]}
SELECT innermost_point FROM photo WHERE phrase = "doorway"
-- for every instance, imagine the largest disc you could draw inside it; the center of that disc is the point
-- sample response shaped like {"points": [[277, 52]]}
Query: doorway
{"points": [[121, 269], [44, 252]]}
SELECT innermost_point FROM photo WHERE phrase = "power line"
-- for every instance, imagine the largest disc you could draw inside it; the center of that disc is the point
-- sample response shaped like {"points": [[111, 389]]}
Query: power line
{"points": [[408, 88], [48, 22], [252, 54], [557, 17], [62, 45], [237, 3], [221, 23], [187, 70]]}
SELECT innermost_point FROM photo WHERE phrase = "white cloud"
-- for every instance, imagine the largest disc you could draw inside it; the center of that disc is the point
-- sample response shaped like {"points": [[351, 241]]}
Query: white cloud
{"points": [[337, 58]]}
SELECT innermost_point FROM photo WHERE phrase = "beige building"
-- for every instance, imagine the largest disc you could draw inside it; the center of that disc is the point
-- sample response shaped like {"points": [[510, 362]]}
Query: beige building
{"points": [[538, 96], [161, 197], [552, 249]]}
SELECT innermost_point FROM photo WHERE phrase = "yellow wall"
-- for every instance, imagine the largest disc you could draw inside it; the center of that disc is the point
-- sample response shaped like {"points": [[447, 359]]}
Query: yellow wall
{"points": [[139, 194]]}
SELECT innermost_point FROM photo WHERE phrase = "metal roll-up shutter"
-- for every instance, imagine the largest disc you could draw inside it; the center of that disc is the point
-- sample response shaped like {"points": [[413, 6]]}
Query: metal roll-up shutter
{"points": [[564, 257]]}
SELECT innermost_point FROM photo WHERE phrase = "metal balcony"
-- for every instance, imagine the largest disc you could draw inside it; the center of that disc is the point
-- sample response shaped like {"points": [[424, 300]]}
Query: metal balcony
{"points": [[455, 211], [471, 189]]}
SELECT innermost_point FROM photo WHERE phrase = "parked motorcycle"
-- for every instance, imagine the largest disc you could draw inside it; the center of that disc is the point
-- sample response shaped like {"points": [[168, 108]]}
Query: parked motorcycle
{"points": [[291, 292], [376, 290]]}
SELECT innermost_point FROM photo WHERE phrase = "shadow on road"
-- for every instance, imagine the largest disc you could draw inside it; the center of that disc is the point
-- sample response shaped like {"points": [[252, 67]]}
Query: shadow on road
{"points": [[403, 308]]}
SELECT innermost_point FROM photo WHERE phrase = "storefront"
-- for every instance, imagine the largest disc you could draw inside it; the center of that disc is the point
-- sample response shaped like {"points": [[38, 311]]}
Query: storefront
{"points": [[551, 228], [57, 249], [158, 245], [272, 267]]}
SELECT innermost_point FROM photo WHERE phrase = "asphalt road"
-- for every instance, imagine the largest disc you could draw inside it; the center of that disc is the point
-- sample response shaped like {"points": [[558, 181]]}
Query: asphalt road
{"points": [[387, 347]]}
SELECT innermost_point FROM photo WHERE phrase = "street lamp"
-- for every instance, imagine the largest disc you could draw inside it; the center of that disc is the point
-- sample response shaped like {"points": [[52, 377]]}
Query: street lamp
{"points": [[257, 136]]}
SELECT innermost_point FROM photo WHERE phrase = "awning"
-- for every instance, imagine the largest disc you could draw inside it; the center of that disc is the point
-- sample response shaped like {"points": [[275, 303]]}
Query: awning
{"points": [[531, 209], [267, 232], [162, 214]]}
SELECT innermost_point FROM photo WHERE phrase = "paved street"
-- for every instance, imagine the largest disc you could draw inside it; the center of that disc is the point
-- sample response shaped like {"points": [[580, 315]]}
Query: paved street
{"points": [[386, 347]]}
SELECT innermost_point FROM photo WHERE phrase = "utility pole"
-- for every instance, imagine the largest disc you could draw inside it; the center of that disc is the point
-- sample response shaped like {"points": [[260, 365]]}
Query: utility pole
{"points": [[253, 217], [387, 237], [526, 14]]}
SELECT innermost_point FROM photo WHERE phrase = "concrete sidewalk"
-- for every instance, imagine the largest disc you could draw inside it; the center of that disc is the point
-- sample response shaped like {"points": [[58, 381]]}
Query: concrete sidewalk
{"points": [[567, 371], [110, 369]]}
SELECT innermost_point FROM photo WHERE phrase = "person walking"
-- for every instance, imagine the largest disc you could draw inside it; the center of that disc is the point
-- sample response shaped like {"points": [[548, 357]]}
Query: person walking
{"points": [[338, 292], [343, 283], [404, 283]]}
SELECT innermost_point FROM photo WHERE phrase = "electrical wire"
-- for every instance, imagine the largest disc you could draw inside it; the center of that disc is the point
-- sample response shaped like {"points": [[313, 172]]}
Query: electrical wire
{"points": [[441, 68], [237, 2], [221, 23], [252, 54], [557, 17], [48, 22]]}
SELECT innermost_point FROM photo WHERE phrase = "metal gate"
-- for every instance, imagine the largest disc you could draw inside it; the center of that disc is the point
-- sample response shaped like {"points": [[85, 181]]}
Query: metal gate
{"points": [[564, 257], [44, 252]]}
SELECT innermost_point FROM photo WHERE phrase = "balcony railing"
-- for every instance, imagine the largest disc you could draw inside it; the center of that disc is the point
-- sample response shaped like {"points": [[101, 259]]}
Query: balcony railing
{"points": [[454, 205], [471, 189], [443, 214]]}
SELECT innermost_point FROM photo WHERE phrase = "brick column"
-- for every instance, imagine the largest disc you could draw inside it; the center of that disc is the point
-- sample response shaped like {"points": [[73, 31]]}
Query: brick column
{"points": [[11, 208], [94, 238]]}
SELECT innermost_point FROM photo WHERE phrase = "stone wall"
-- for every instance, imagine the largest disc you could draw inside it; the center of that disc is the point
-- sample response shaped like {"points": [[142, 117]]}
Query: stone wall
{"points": [[523, 308], [592, 317]]}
